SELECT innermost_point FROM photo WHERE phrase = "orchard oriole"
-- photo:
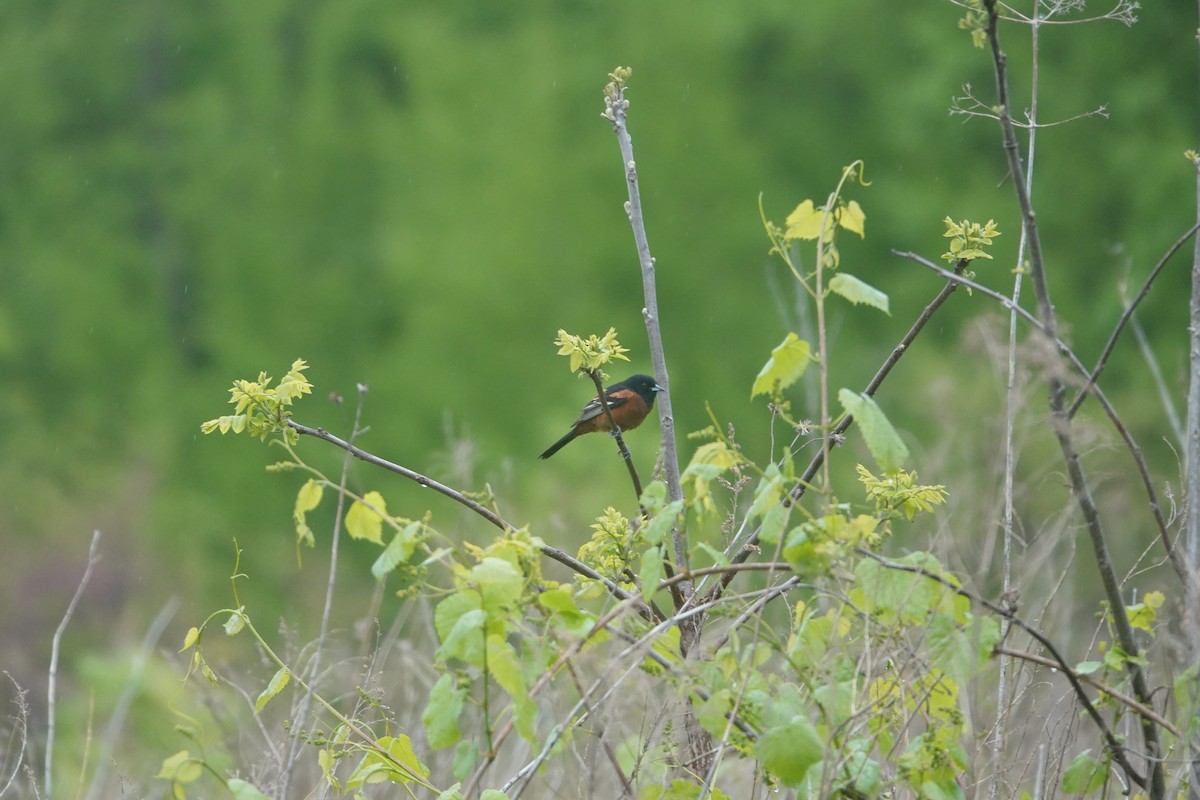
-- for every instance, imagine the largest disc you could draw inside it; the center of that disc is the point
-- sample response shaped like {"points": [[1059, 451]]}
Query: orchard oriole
{"points": [[630, 401]]}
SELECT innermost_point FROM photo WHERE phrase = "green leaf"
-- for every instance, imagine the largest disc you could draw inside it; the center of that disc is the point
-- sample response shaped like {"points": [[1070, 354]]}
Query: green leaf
{"points": [[394, 762], [853, 218], [465, 641], [505, 667], [1085, 774], [767, 494], [364, 520], [650, 573], [401, 750], [181, 768], [189, 641], [236, 623], [657, 528], [308, 498], [773, 523], [398, 551], [276, 685], [241, 790], [500, 585], [1142, 615], [858, 292], [804, 222], [566, 612], [790, 749], [787, 364], [441, 714], [882, 439]]}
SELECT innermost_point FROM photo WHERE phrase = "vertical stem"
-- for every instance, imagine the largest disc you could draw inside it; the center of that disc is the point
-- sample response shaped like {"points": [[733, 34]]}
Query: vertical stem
{"points": [[1191, 630], [1061, 421], [1010, 410], [616, 112]]}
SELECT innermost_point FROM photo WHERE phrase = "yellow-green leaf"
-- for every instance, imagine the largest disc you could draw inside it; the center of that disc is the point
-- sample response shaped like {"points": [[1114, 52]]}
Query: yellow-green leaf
{"points": [[181, 768], [852, 218], [364, 520], [787, 364], [882, 439], [235, 623], [804, 222], [856, 291], [308, 498], [278, 682], [1142, 615]]}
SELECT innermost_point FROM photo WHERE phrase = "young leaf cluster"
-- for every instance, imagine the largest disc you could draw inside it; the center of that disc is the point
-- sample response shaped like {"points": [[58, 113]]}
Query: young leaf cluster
{"points": [[260, 409]]}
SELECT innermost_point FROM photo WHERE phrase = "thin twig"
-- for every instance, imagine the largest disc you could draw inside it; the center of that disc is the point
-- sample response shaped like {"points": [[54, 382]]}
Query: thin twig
{"points": [[1122, 698], [626, 456], [1126, 316], [1060, 420], [21, 732], [314, 669], [616, 111], [52, 682]]}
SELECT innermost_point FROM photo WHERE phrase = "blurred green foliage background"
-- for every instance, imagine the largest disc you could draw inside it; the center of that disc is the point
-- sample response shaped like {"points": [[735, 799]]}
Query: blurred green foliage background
{"points": [[416, 196]]}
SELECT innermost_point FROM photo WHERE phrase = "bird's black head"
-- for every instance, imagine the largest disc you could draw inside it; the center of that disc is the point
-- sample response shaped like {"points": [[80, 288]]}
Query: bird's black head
{"points": [[644, 385]]}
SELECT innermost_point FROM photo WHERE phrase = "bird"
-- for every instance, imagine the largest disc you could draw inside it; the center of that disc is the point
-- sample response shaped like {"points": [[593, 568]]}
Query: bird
{"points": [[630, 401]]}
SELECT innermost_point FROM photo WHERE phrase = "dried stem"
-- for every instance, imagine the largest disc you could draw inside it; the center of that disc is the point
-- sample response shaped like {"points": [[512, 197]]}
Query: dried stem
{"points": [[1061, 421]]}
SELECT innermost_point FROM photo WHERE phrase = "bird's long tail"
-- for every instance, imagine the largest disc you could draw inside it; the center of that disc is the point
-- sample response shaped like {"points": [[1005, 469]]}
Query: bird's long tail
{"points": [[560, 444]]}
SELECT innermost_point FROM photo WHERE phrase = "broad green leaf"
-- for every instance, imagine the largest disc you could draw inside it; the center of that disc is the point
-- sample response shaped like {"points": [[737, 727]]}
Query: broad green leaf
{"points": [[717, 454], [662, 523], [787, 364], [1142, 615], [308, 498], [236, 623], [1088, 667], [853, 218], [181, 768], [805, 223], [773, 523], [790, 749], [500, 585], [882, 439], [401, 750], [767, 493], [241, 790], [364, 520], [394, 762], [465, 641], [189, 641], [1085, 774], [650, 572], [276, 685], [858, 292], [441, 714], [448, 611], [566, 612], [398, 551], [714, 555], [505, 667]]}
